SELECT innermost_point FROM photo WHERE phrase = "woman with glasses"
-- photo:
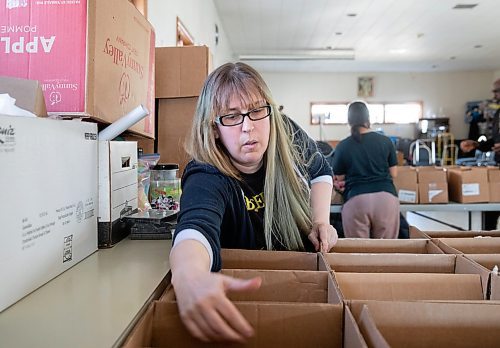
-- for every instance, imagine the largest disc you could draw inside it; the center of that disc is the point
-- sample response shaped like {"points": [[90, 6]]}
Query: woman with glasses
{"points": [[256, 181]]}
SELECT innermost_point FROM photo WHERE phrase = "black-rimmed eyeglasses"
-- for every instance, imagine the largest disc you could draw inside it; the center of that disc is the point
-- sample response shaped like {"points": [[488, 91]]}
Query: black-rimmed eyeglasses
{"points": [[236, 119]]}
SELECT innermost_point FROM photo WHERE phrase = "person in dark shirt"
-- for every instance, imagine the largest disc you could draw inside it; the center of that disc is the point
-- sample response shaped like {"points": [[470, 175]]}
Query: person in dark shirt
{"points": [[365, 163], [492, 144], [256, 181]]}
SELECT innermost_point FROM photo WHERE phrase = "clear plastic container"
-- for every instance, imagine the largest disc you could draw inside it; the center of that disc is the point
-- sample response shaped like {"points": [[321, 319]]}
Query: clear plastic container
{"points": [[165, 187]]}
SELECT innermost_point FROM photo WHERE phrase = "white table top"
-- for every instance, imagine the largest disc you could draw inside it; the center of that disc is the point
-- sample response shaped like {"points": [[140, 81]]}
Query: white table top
{"points": [[92, 303], [336, 208]]}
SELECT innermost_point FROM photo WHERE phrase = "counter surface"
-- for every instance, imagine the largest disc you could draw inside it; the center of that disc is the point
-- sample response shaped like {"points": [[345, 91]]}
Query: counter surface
{"points": [[92, 303]]}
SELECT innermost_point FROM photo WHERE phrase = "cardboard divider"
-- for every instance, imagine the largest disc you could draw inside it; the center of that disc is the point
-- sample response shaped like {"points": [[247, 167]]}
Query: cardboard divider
{"points": [[361, 245], [266, 259], [425, 324], [489, 261], [280, 286], [275, 324]]}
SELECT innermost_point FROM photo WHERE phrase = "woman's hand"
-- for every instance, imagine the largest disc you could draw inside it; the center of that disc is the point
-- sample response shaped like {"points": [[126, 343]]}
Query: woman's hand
{"points": [[205, 309], [323, 236]]}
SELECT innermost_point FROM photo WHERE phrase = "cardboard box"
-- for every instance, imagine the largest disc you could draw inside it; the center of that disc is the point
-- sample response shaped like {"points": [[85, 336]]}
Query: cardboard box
{"points": [[404, 263], [494, 183], [417, 233], [406, 184], [181, 71], [420, 324], [275, 325], [27, 93], [409, 286], [486, 245], [432, 185], [361, 245], [175, 117], [48, 185], [267, 259], [468, 185], [92, 57], [118, 189]]}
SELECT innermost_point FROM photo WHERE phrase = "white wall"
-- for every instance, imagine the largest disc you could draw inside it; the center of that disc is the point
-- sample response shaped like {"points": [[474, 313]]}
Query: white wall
{"points": [[198, 16], [442, 94]]}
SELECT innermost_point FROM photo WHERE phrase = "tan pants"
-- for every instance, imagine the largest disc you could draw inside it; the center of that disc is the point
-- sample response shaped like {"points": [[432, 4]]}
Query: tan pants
{"points": [[371, 215]]}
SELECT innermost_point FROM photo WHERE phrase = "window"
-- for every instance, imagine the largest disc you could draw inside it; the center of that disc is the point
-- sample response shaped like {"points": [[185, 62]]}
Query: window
{"points": [[336, 113]]}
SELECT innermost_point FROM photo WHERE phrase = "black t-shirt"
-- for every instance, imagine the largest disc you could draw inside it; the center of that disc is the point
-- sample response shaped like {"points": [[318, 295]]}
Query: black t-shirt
{"points": [[365, 164], [253, 190]]}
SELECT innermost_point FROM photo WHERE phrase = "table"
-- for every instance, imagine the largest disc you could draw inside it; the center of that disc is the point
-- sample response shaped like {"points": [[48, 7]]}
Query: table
{"points": [[93, 303], [450, 214]]}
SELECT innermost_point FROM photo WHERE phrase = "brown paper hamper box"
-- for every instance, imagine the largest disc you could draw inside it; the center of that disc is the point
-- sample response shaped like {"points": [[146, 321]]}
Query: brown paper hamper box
{"points": [[468, 185], [406, 184], [494, 183], [424, 324], [275, 325], [432, 185]]}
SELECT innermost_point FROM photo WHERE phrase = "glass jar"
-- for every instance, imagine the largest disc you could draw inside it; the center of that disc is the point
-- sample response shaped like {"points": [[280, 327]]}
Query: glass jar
{"points": [[165, 187]]}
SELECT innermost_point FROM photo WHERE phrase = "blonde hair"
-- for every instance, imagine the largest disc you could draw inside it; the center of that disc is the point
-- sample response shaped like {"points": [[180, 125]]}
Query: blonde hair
{"points": [[288, 213]]}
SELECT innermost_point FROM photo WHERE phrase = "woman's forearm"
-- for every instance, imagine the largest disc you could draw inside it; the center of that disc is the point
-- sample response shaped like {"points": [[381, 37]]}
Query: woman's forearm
{"points": [[321, 196], [188, 258]]}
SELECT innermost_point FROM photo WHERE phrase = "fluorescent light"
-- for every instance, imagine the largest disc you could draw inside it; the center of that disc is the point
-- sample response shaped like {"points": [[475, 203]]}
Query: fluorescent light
{"points": [[328, 54]]}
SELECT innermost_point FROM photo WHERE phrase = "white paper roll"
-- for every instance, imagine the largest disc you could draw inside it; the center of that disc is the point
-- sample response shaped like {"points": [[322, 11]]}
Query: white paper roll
{"points": [[123, 123]]}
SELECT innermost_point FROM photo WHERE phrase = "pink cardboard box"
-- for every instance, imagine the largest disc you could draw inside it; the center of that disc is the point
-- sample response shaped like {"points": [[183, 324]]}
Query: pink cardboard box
{"points": [[92, 57]]}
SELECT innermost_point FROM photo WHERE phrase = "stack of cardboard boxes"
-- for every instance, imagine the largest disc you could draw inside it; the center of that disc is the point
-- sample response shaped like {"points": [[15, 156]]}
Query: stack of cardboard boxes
{"points": [[429, 185], [180, 73]]}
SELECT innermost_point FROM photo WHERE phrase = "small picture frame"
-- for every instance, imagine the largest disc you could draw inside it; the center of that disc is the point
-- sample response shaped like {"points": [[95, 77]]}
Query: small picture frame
{"points": [[365, 86]]}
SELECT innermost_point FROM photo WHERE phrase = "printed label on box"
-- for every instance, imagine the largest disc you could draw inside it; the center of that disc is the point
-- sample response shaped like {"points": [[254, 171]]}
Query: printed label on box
{"points": [[46, 41], [407, 196], [433, 193], [470, 189]]}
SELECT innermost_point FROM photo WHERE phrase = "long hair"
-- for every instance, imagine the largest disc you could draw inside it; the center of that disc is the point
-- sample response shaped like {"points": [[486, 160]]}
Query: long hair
{"points": [[358, 116], [287, 213]]}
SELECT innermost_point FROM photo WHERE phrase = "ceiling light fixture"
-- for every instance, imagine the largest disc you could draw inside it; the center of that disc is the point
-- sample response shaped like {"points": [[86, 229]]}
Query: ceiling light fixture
{"points": [[325, 54], [464, 6]]}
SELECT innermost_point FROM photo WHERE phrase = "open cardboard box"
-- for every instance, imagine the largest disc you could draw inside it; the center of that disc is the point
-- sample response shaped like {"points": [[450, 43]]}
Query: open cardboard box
{"points": [[275, 325], [362, 245], [479, 245], [422, 324], [402, 276], [409, 286], [266, 259], [416, 233], [280, 286]]}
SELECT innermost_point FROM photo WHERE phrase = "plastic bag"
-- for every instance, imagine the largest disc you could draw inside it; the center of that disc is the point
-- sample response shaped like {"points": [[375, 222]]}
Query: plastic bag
{"points": [[145, 162]]}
